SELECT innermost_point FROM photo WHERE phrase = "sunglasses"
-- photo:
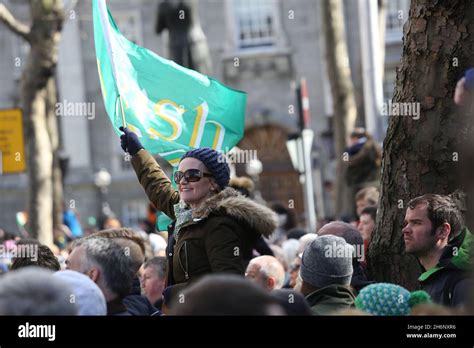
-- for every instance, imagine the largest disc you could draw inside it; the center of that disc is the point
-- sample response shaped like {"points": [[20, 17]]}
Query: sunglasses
{"points": [[191, 175]]}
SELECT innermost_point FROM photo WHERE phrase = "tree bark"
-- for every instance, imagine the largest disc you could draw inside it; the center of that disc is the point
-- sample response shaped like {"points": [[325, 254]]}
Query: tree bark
{"points": [[57, 182], [345, 110], [420, 155], [37, 79]]}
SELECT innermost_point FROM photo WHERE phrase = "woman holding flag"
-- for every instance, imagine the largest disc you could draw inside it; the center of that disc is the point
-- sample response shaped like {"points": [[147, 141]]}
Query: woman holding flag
{"points": [[214, 226]]}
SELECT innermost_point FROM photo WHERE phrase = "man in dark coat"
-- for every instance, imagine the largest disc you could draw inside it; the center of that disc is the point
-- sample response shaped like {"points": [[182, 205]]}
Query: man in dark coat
{"points": [[135, 303], [364, 161], [153, 280], [350, 234], [103, 260], [434, 232], [326, 272]]}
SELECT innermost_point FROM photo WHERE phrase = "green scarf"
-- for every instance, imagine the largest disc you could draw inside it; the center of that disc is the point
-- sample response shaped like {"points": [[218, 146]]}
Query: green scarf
{"points": [[184, 217]]}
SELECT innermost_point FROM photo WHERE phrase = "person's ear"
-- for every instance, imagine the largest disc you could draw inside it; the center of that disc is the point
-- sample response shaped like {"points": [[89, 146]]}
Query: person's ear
{"points": [[270, 283], [93, 274], [214, 186], [444, 231]]}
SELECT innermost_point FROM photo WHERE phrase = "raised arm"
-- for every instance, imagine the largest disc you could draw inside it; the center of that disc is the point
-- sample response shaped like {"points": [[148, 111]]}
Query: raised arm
{"points": [[153, 179]]}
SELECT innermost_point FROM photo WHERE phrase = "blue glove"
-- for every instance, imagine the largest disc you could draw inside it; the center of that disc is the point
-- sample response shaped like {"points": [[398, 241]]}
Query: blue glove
{"points": [[129, 141], [469, 83]]}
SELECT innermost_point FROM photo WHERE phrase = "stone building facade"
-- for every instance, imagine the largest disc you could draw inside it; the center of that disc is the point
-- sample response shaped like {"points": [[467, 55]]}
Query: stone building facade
{"points": [[260, 46]]}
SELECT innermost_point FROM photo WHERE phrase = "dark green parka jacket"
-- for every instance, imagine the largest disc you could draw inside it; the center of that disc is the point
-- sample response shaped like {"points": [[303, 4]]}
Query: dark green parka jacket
{"points": [[221, 232], [331, 299]]}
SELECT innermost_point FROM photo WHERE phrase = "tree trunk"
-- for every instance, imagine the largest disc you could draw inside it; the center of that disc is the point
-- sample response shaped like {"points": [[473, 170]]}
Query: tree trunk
{"points": [[40, 129], [421, 155], [51, 100], [345, 110], [40, 160]]}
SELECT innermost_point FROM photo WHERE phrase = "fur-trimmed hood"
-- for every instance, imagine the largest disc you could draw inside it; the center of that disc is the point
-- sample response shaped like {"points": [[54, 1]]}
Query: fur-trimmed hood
{"points": [[261, 219]]}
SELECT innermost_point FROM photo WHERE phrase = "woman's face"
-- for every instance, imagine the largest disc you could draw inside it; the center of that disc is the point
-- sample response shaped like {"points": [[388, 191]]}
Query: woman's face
{"points": [[194, 193]]}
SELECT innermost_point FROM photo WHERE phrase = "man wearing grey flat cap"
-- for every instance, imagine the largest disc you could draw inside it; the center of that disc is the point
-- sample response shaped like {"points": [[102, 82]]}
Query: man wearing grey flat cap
{"points": [[326, 272]]}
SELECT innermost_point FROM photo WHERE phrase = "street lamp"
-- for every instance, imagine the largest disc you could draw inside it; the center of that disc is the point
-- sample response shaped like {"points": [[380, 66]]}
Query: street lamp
{"points": [[294, 145], [299, 147], [254, 167], [307, 136], [102, 180]]}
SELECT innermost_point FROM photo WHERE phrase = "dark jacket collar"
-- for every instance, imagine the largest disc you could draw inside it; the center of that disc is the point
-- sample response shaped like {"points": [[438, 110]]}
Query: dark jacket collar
{"points": [[449, 250], [116, 307], [455, 256], [331, 295]]}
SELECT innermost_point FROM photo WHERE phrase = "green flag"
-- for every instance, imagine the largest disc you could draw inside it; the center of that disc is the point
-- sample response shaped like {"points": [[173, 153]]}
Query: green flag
{"points": [[172, 109]]}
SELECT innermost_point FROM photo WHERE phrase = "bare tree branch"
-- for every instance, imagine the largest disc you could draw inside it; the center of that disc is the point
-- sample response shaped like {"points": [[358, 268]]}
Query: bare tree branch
{"points": [[11, 22]]}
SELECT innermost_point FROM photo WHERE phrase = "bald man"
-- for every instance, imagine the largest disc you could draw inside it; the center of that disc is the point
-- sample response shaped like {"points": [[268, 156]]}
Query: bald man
{"points": [[266, 271]]}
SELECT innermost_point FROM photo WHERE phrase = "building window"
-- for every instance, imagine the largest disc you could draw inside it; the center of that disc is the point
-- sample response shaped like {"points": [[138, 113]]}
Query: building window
{"points": [[133, 211], [256, 23], [396, 16]]}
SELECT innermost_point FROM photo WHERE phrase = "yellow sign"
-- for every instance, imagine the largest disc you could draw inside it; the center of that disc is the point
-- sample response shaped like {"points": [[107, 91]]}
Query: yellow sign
{"points": [[12, 146]]}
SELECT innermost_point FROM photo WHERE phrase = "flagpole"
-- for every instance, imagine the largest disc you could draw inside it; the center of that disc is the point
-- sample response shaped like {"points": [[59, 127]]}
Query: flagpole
{"points": [[108, 43], [124, 123]]}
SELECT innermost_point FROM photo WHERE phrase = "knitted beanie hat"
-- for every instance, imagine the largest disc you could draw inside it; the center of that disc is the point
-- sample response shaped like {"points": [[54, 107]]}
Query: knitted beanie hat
{"points": [[327, 260], [214, 161], [389, 299]]}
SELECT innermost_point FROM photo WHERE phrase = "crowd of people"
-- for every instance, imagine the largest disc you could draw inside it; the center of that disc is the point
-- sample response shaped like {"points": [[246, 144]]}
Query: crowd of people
{"points": [[113, 272], [226, 254], [230, 265]]}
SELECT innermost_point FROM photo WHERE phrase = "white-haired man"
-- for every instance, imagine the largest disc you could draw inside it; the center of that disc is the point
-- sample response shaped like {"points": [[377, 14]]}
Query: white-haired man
{"points": [[266, 271], [107, 263]]}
